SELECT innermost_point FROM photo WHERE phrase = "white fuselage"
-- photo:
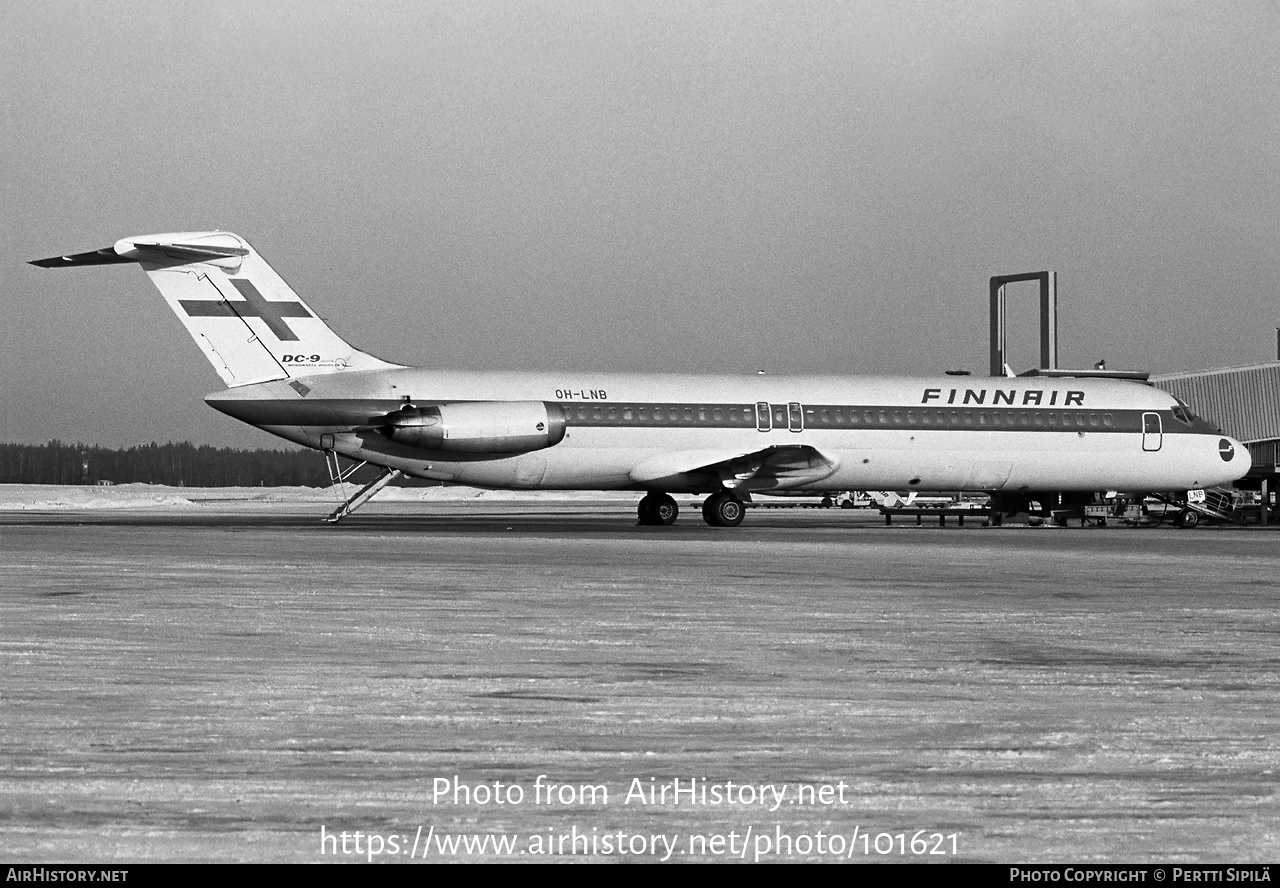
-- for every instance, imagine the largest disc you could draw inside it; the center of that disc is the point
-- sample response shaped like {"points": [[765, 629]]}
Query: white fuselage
{"points": [[653, 432]]}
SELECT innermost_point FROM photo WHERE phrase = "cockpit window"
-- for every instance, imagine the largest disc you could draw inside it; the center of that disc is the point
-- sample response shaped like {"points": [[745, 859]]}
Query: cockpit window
{"points": [[1182, 413]]}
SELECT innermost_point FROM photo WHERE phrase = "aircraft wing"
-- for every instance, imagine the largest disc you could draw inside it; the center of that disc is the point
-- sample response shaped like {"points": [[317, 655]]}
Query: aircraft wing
{"points": [[779, 466]]}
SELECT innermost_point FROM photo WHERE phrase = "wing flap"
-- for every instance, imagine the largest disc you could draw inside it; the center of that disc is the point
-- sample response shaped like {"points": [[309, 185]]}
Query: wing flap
{"points": [[775, 467], [681, 462]]}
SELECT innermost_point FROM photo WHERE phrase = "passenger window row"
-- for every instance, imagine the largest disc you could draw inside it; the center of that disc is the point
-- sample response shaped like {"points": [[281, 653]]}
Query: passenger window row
{"points": [[789, 416]]}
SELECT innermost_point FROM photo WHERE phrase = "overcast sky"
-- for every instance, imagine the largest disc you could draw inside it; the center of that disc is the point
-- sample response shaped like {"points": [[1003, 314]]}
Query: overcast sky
{"points": [[801, 187]]}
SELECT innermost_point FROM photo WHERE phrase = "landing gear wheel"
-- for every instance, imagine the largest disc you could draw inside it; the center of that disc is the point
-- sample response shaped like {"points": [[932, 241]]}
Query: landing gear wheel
{"points": [[723, 510], [827, 502], [658, 509], [1188, 519]]}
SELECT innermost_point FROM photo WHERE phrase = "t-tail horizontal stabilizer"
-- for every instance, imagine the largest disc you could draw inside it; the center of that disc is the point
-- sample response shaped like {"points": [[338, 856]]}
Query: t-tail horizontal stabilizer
{"points": [[249, 323]]}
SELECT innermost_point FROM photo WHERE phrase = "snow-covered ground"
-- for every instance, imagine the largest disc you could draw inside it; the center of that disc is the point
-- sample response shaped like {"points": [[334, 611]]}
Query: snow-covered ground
{"points": [[50, 497]]}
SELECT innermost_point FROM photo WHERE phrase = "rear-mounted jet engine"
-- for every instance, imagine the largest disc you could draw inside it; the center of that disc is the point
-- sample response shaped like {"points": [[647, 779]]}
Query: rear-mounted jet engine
{"points": [[480, 427]]}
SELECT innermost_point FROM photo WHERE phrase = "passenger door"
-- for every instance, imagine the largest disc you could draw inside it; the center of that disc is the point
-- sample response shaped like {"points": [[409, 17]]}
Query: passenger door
{"points": [[1152, 433]]}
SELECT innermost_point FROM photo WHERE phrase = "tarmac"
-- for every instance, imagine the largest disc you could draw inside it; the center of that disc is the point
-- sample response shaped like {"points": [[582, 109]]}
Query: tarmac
{"points": [[203, 676]]}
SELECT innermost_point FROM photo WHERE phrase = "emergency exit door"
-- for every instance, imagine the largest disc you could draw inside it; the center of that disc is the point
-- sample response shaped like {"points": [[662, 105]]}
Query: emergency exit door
{"points": [[776, 416], [764, 417]]}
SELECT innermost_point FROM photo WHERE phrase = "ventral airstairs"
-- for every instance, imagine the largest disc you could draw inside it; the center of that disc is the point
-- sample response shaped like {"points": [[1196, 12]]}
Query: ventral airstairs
{"points": [[338, 477]]}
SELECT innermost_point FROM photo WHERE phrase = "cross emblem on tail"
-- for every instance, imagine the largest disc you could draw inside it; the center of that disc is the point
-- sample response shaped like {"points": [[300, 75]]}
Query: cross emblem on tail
{"points": [[255, 305]]}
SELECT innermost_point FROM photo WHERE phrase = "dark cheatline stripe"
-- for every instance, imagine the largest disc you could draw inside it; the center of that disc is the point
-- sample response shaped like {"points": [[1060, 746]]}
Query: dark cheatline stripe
{"points": [[818, 417]]}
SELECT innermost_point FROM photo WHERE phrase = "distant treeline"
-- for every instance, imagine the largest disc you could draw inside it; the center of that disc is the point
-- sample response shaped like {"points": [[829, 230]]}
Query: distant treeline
{"points": [[178, 465]]}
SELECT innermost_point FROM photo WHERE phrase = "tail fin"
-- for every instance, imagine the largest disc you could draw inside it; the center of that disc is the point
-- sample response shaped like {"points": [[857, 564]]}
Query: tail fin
{"points": [[248, 322]]}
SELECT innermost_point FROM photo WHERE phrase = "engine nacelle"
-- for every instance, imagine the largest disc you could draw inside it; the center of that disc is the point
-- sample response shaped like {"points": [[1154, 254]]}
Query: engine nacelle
{"points": [[479, 427]]}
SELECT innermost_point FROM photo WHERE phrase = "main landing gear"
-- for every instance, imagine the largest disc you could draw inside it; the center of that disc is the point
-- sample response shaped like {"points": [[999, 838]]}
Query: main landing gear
{"points": [[658, 509], [721, 509]]}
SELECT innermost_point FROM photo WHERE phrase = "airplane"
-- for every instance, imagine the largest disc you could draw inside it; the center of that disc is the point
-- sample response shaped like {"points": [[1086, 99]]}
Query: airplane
{"points": [[288, 373]]}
